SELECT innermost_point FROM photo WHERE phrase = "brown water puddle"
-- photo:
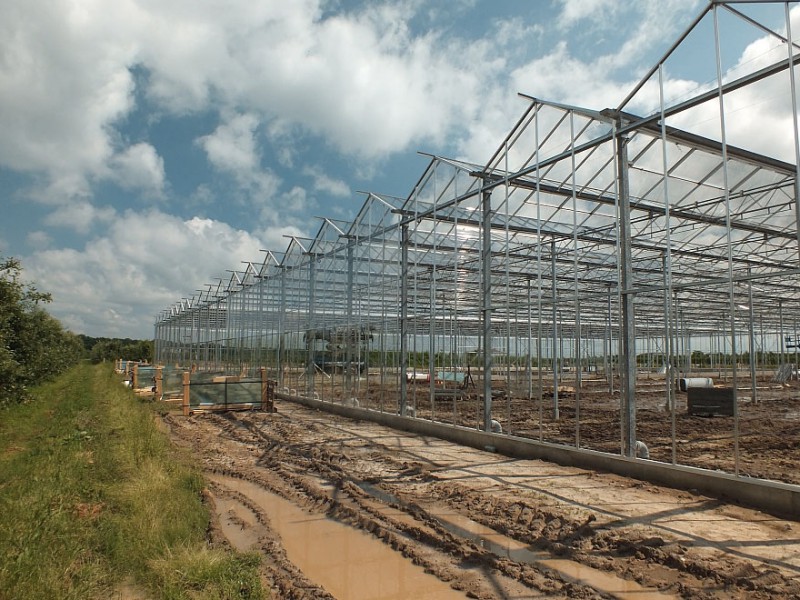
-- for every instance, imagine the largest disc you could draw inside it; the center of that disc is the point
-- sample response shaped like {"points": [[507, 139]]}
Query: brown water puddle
{"points": [[502, 545], [348, 563], [238, 523]]}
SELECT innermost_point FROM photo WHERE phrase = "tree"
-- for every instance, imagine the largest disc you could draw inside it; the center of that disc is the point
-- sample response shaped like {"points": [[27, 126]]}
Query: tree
{"points": [[34, 347], [108, 349]]}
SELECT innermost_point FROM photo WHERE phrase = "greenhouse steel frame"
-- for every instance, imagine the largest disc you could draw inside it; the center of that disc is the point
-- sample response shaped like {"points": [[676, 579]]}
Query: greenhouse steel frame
{"points": [[592, 246]]}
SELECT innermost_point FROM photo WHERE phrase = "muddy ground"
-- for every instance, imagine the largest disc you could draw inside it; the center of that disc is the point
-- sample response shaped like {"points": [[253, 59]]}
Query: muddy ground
{"points": [[557, 530], [768, 441]]}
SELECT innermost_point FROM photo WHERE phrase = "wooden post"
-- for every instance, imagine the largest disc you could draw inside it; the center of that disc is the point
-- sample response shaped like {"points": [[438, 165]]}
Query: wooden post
{"points": [[264, 397], [186, 386], [135, 377], [159, 382]]}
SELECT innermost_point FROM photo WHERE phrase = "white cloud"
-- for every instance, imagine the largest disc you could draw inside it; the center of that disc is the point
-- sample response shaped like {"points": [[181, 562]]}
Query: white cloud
{"points": [[323, 182], [296, 201], [39, 240], [276, 236], [202, 196], [118, 283], [575, 11], [233, 148], [65, 80], [79, 216], [361, 79], [139, 167]]}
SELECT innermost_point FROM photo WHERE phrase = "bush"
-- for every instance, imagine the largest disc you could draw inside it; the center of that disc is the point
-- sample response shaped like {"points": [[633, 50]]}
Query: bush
{"points": [[34, 347]]}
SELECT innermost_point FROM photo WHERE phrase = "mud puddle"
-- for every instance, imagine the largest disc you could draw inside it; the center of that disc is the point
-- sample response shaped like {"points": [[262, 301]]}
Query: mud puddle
{"points": [[238, 524], [348, 563], [504, 546]]}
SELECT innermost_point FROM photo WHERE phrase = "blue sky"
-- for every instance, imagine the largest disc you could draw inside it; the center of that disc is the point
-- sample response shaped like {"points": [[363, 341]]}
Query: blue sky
{"points": [[149, 145]]}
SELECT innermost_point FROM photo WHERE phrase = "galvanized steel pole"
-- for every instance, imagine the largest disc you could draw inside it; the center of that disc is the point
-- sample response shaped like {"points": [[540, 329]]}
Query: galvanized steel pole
{"points": [[628, 412], [556, 414], [486, 313], [403, 317]]}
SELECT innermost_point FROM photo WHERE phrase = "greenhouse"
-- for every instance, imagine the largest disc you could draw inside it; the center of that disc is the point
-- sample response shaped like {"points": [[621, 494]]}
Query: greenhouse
{"points": [[589, 285]]}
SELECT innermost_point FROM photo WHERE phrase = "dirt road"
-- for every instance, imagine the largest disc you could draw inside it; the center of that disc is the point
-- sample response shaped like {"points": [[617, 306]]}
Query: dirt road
{"points": [[485, 525]]}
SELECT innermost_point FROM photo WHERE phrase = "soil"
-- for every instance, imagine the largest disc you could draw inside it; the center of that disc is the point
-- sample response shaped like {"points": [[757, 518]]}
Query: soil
{"points": [[563, 528]]}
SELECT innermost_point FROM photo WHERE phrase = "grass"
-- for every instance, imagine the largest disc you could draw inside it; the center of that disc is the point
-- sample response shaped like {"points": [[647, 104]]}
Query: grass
{"points": [[94, 498]]}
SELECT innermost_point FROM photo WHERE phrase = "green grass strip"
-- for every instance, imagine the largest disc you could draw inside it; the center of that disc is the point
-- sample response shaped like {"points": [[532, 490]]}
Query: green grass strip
{"points": [[94, 498]]}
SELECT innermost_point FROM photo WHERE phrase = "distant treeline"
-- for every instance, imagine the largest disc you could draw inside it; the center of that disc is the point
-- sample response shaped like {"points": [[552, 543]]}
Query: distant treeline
{"points": [[99, 349]]}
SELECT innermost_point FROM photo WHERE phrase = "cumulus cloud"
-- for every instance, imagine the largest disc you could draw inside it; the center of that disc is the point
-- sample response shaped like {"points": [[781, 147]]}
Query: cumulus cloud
{"points": [[116, 284], [65, 80], [233, 148], [139, 167], [574, 11], [79, 216], [39, 240], [361, 79], [326, 184]]}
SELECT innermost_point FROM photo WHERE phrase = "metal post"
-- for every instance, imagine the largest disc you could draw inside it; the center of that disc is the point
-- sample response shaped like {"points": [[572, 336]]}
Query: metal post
{"points": [[667, 338], [351, 329], [403, 317], [795, 132], [529, 358], [578, 368], [432, 340], [556, 414], [281, 317], [729, 238], [486, 285], [310, 327], [752, 338], [780, 318], [628, 412], [610, 368]]}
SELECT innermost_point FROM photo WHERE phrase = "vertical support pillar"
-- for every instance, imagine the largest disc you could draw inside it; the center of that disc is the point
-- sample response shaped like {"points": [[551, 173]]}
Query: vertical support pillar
{"points": [[312, 300], [281, 317], [729, 237], [556, 356], [135, 377], [670, 405], [352, 335], [780, 319], [610, 364], [529, 358], [186, 392], [628, 412], [432, 341], [403, 318], [578, 369], [751, 318], [486, 290], [795, 132]]}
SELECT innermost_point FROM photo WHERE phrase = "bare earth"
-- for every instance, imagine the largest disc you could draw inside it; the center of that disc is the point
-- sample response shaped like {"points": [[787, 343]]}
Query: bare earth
{"points": [[486, 525]]}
